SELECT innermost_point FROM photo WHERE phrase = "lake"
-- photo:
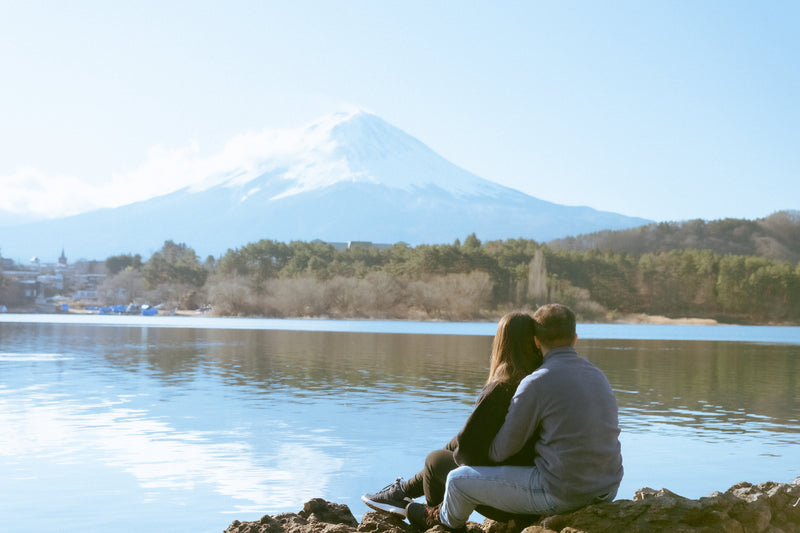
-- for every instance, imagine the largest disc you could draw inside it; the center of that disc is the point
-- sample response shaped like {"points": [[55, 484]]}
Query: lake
{"points": [[188, 423]]}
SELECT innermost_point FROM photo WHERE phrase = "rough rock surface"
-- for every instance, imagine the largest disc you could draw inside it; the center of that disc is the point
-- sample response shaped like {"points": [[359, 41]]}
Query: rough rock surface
{"points": [[744, 508]]}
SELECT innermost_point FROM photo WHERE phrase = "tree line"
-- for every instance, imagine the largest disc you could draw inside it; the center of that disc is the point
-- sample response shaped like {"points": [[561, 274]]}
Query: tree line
{"points": [[466, 280], [775, 237]]}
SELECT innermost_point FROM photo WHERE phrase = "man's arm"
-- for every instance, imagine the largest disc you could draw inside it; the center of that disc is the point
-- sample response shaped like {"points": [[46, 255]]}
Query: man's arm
{"points": [[520, 421]]}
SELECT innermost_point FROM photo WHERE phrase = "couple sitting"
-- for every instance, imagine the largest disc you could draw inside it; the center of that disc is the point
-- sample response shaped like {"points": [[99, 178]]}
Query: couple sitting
{"points": [[541, 440]]}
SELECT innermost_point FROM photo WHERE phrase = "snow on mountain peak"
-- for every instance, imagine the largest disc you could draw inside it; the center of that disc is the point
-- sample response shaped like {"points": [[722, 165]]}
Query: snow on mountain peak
{"points": [[374, 148], [355, 146]]}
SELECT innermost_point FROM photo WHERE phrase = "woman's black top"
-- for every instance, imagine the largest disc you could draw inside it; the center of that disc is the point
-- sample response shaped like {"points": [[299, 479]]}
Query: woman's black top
{"points": [[475, 438]]}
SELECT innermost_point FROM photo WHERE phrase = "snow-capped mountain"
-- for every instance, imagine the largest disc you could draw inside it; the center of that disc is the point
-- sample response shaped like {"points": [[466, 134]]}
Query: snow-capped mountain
{"points": [[346, 147], [346, 177]]}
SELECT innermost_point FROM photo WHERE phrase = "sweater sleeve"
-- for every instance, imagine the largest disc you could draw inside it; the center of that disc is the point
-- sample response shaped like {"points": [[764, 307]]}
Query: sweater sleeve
{"points": [[520, 423], [475, 438]]}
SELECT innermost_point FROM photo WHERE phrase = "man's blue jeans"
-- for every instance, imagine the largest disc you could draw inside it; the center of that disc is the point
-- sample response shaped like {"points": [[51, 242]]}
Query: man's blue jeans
{"points": [[514, 489]]}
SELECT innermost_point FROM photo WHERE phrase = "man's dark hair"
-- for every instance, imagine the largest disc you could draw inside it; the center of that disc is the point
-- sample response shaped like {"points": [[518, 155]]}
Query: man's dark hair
{"points": [[555, 325]]}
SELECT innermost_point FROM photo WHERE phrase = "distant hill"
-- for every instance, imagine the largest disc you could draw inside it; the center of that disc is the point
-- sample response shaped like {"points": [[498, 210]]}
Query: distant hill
{"points": [[775, 237], [351, 177]]}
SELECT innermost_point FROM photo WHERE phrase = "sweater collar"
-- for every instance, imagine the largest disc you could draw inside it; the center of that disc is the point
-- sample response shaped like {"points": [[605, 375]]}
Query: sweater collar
{"points": [[561, 351]]}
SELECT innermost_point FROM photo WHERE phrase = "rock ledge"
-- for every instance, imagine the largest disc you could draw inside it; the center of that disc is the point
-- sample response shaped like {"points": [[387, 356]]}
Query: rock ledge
{"points": [[768, 507]]}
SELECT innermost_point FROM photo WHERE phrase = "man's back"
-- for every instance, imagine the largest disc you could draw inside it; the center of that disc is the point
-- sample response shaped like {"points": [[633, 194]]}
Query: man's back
{"points": [[568, 407]]}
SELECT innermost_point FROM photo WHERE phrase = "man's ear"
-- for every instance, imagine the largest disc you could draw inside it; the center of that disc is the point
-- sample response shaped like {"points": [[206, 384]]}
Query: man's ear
{"points": [[538, 344], [575, 340]]}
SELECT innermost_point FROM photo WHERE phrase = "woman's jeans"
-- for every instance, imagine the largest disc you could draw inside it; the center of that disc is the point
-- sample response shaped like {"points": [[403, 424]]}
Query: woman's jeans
{"points": [[515, 489]]}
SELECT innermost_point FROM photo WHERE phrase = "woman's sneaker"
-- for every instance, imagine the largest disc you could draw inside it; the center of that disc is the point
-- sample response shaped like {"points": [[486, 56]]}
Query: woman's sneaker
{"points": [[391, 499], [423, 517]]}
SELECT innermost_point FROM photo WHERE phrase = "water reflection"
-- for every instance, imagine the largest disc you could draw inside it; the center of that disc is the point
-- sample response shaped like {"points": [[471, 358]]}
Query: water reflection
{"points": [[304, 363], [45, 426], [196, 423], [716, 386]]}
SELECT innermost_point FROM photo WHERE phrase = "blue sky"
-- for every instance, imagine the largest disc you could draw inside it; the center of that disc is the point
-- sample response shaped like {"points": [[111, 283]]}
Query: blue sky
{"points": [[667, 110]]}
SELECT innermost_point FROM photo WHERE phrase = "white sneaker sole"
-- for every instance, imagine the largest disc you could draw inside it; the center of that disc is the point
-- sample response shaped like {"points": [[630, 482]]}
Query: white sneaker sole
{"points": [[384, 507]]}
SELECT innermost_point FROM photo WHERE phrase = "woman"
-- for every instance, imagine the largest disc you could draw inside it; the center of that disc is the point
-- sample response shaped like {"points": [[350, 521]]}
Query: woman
{"points": [[514, 356]]}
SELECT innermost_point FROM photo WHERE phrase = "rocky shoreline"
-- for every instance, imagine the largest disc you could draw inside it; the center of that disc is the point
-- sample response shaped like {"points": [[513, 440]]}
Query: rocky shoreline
{"points": [[767, 507]]}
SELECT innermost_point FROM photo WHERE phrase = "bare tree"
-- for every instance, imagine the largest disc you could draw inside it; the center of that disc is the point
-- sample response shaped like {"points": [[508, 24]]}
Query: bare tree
{"points": [[537, 278]]}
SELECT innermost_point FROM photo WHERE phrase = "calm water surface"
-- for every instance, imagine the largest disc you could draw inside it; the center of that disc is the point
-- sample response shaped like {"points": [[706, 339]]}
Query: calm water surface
{"points": [[173, 424]]}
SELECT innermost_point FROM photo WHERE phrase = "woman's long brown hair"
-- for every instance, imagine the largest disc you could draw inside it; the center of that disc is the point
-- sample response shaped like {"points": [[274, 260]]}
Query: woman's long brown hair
{"points": [[514, 353]]}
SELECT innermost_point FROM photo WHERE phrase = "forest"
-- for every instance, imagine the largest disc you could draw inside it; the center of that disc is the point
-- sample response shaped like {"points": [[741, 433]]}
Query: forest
{"points": [[733, 271]]}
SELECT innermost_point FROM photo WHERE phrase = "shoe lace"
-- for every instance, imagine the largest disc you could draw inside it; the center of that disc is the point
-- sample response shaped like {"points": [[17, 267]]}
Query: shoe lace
{"points": [[398, 484], [433, 515]]}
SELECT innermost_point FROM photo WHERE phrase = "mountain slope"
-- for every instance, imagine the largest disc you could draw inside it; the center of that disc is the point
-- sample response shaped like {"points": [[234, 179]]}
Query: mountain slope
{"points": [[776, 237], [346, 177]]}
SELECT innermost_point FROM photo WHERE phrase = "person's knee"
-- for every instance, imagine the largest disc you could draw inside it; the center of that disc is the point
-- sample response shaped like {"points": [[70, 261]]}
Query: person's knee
{"points": [[439, 455], [461, 472], [440, 461], [457, 477]]}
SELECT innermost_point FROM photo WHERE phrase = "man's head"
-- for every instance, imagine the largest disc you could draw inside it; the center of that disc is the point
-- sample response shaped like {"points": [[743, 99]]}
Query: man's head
{"points": [[555, 326]]}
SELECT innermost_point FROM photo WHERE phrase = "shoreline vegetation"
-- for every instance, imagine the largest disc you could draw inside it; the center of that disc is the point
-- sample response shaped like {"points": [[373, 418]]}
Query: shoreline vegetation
{"points": [[637, 318], [462, 282], [667, 273]]}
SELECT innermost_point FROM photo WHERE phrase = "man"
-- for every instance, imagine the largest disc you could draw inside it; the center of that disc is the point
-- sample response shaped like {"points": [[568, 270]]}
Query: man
{"points": [[568, 408]]}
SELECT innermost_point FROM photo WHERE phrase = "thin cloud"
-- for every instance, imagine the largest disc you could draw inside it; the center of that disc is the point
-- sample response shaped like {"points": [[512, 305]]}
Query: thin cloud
{"points": [[32, 192]]}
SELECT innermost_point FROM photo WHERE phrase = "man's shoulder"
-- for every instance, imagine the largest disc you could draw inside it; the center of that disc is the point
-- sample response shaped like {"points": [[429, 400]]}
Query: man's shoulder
{"points": [[531, 380], [558, 367], [568, 357]]}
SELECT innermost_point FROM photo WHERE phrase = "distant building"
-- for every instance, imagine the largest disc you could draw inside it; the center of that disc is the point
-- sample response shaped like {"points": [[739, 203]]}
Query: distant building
{"points": [[62, 261], [368, 244], [54, 281], [87, 286], [30, 291], [349, 245], [21, 275], [25, 289], [338, 246]]}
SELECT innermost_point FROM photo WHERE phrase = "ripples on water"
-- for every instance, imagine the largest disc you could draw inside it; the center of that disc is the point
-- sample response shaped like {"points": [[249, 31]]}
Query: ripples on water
{"points": [[185, 429]]}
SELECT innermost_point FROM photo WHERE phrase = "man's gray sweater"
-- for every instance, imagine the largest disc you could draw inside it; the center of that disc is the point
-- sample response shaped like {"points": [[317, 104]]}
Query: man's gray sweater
{"points": [[568, 408]]}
